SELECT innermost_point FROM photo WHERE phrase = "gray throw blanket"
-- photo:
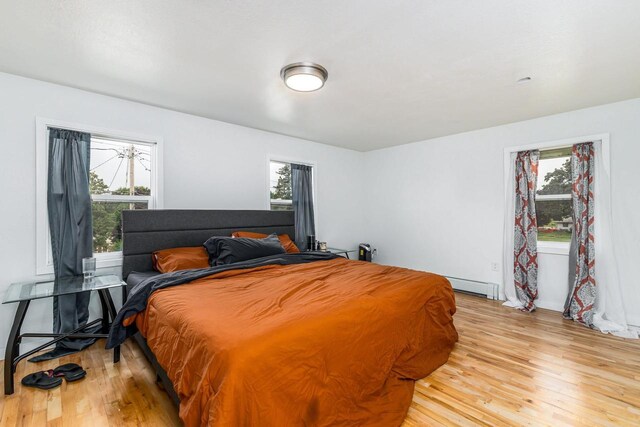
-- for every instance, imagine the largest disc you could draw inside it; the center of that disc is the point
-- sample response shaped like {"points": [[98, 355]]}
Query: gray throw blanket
{"points": [[137, 299]]}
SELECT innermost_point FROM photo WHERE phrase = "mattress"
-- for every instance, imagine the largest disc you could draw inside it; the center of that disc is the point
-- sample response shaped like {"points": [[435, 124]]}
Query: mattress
{"points": [[136, 277], [325, 343]]}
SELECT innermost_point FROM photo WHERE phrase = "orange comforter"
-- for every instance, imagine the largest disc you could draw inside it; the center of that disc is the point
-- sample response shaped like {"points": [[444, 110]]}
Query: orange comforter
{"points": [[326, 343]]}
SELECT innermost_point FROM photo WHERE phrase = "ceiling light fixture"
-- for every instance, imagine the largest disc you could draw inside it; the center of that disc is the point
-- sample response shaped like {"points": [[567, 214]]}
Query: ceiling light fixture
{"points": [[304, 76]]}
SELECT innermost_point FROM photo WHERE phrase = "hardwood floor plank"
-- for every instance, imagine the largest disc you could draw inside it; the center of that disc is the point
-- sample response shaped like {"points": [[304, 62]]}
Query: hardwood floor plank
{"points": [[509, 368], [535, 369]]}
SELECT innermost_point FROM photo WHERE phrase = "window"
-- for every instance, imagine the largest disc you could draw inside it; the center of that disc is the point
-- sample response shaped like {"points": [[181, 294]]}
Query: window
{"points": [[119, 179], [280, 186], [124, 174], [553, 196]]}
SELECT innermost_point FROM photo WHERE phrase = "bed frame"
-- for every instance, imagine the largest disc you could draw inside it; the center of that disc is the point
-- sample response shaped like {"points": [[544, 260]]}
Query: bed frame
{"points": [[146, 231]]}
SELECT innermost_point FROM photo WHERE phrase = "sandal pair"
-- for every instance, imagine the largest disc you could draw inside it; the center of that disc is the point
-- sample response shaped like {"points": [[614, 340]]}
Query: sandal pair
{"points": [[53, 377]]}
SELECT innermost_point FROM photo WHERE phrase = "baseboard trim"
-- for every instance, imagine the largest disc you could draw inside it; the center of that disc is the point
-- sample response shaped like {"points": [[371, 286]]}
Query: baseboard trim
{"points": [[475, 287]]}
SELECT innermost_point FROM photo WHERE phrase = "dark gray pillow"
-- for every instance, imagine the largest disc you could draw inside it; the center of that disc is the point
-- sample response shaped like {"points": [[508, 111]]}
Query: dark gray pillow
{"points": [[227, 250]]}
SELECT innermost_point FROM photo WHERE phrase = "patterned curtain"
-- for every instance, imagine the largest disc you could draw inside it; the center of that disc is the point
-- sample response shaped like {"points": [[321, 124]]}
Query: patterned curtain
{"points": [[581, 299], [525, 249]]}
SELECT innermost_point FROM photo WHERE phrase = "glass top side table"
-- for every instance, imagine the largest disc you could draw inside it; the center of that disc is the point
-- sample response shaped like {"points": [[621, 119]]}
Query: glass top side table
{"points": [[25, 292], [31, 290]]}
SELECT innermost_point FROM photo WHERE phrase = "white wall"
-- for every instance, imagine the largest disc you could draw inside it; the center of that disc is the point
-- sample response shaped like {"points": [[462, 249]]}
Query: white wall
{"points": [[437, 205], [207, 164], [434, 205]]}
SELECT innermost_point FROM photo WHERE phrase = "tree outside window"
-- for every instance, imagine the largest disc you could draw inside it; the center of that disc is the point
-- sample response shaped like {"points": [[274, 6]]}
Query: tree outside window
{"points": [[280, 186]]}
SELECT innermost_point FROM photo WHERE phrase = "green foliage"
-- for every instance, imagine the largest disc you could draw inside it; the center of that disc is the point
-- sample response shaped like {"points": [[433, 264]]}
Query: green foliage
{"points": [[138, 190], [107, 221], [549, 212], [555, 236], [97, 184], [555, 182], [558, 181], [283, 186], [107, 234]]}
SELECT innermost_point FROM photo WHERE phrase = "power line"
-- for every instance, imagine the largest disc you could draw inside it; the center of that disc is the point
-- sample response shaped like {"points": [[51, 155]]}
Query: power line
{"points": [[143, 165], [106, 149], [96, 167], [114, 175], [130, 153]]}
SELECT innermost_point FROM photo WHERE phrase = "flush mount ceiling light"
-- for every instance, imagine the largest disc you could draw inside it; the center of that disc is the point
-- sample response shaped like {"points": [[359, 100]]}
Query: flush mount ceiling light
{"points": [[304, 76]]}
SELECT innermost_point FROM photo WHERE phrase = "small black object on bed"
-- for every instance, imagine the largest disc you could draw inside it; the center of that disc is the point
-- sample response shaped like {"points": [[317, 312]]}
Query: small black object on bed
{"points": [[228, 250]]}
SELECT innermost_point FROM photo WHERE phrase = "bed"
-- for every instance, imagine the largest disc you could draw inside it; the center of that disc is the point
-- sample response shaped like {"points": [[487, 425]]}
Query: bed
{"points": [[305, 340]]}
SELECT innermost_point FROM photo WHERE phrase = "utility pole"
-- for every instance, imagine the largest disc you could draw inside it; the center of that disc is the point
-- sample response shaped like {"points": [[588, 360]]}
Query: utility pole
{"points": [[132, 185]]}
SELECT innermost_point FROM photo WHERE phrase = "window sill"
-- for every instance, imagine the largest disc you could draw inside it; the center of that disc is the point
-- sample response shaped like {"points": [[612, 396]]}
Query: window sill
{"points": [[554, 248]]}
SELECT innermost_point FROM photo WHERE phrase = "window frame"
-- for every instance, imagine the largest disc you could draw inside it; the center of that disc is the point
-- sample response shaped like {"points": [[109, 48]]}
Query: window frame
{"points": [[314, 178], [560, 248], [557, 248], [44, 258], [269, 172]]}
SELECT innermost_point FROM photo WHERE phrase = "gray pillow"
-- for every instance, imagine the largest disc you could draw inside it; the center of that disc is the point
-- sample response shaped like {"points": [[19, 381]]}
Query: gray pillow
{"points": [[227, 250]]}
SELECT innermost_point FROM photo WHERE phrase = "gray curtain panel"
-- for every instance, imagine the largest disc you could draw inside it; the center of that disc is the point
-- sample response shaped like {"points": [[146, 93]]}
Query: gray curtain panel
{"points": [[302, 194], [69, 207]]}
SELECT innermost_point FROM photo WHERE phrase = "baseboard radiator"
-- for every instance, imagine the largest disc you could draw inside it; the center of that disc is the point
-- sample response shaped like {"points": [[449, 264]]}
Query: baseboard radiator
{"points": [[485, 289]]}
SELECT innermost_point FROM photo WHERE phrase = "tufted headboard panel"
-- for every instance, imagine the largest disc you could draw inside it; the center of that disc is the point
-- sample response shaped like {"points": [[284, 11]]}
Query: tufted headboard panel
{"points": [[146, 231]]}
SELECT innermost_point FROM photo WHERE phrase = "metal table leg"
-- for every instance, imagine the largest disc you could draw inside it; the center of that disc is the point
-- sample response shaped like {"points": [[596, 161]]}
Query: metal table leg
{"points": [[105, 296], [111, 307], [13, 346], [105, 313]]}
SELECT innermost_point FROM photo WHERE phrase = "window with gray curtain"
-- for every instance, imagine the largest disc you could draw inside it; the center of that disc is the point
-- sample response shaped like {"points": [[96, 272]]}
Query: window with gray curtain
{"points": [[90, 180], [70, 225]]}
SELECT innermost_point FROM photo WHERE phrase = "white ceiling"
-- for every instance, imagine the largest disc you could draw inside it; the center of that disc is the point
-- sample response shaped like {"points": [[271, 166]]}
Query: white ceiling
{"points": [[399, 71]]}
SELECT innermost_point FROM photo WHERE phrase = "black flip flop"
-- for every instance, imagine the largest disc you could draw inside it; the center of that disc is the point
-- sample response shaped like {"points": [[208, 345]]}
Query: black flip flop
{"points": [[43, 379], [70, 372]]}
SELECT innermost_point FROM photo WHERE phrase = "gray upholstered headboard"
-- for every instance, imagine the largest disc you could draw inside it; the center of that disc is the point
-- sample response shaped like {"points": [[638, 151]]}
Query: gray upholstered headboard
{"points": [[145, 231]]}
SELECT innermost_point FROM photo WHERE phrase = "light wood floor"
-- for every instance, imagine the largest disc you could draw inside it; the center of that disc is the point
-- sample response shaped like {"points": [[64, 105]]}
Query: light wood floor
{"points": [[509, 368]]}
